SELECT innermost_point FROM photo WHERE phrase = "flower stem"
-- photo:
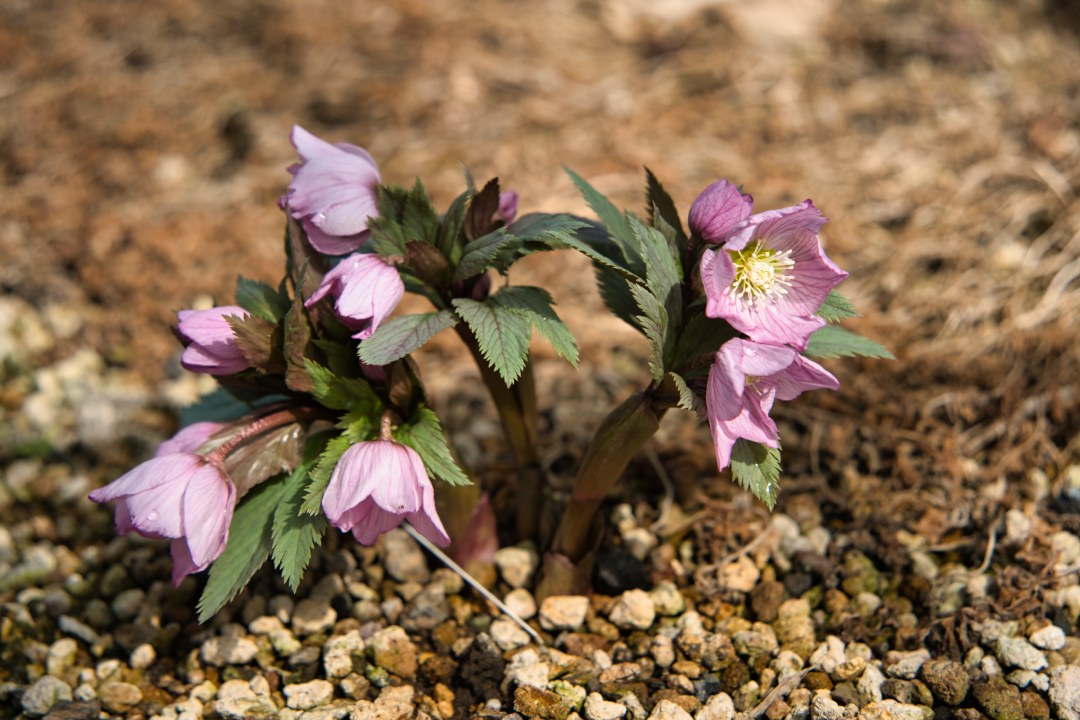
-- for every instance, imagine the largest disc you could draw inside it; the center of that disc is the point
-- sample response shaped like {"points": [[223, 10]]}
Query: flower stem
{"points": [[623, 432]]}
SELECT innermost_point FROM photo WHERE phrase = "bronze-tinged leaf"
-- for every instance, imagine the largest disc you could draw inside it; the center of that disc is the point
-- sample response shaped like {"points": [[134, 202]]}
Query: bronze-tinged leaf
{"points": [[259, 342], [402, 379], [305, 265], [276, 451], [428, 263], [297, 347], [479, 220]]}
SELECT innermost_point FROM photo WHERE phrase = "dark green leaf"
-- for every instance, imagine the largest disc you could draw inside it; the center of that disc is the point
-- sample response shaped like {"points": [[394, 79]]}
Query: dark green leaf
{"points": [[419, 220], [662, 211], [536, 304], [662, 276], [757, 468], [341, 393], [702, 337], [260, 299], [218, 406], [399, 336], [247, 549], [836, 307], [297, 346], [305, 266], [614, 219], [450, 239], [615, 291], [687, 399], [834, 341], [653, 321], [503, 336], [294, 534], [424, 434], [478, 255]]}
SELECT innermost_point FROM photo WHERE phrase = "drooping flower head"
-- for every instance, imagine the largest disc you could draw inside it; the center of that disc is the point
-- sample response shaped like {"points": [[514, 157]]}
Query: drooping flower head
{"points": [[181, 496], [332, 192], [210, 342], [378, 484], [366, 288], [771, 275], [718, 210], [744, 381], [189, 439]]}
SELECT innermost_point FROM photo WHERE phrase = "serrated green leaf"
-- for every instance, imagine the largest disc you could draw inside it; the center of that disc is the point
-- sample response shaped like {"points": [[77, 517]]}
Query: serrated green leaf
{"points": [[664, 282], [653, 321], [701, 337], [616, 294], [836, 307], [294, 534], [419, 219], [757, 468], [687, 399], [319, 476], [614, 219], [536, 304], [399, 336], [388, 235], [503, 336], [662, 211], [260, 299], [834, 341], [258, 341], [478, 255], [449, 242], [341, 393], [247, 549], [424, 434]]}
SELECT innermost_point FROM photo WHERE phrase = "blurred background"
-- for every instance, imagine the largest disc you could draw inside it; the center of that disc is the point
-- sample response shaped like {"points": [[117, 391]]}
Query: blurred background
{"points": [[143, 147]]}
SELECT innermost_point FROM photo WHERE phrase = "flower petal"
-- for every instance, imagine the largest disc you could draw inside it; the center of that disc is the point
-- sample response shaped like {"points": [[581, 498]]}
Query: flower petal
{"points": [[426, 520], [150, 474], [718, 210], [189, 438], [803, 374], [209, 501]]}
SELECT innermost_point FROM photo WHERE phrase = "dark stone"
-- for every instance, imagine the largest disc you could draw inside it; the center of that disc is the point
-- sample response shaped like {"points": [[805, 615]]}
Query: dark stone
{"points": [[617, 571], [899, 690], [583, 644], [1035, 708], [817, 680], [537, 703], [438, 669], [734, 677], [844, 693], [998, 699], [765, 600], [707, 686], [482, 667], [74, 710], [797, 583], [947, 679]]}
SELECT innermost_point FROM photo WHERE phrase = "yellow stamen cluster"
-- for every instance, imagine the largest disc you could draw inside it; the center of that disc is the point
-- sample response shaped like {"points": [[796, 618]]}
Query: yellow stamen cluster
{"points": [[760, 273]]}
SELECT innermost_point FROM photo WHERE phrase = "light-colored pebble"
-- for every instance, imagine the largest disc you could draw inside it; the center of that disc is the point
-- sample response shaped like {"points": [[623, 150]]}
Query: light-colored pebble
{"points": [[517, 564], [597, 708], [143, 656], [718, 707], [43, 694], [313, 616], [304, 696], [1050, 637], [1019, 653], [508, 635], [563, 612], [667, 710], [1064, 691], [521, 602], [633, 610]]}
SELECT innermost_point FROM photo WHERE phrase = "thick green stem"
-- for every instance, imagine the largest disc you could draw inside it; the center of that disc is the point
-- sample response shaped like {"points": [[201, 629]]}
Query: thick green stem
{"points": [[622, 433]]}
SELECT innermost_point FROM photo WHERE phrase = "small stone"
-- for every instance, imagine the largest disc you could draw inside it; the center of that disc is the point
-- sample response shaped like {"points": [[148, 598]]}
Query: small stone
{"points": [[1035, 708], [77, 629], [948, 680], [1050, 637], [740, 575], [142, 656], [526, 668], [829, 655], [823, 707], [765, 600], [893, 710], [620, 673], [849, 669], [313, 616], [905, 665], [119, 697], [1021, 678], [639, 542], [866, 604], [521, 602], [127, 604], [633, 610], [667, 599], [237, 701], [998, 699], [667, 710], [43, 694], [230, 648], [563, 612], [517, 564], [1017, 527], [718, 707], [403, 558], [1019, 653], [574, 694], [868, 686], [597, 708], [539, 703], [1067, 547], [1064, 691], [508, 635], [394, 651], [339, 653], [61, 656], [304, 696]]}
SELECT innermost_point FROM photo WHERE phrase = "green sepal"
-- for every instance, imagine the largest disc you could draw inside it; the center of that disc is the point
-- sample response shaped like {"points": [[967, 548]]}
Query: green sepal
{"points": [[424, 434], [835, 341], [260, 299], [479, 218], [341, 393], [399, 336], [700, 339], [247, 549], [756, 468], [502, 335]]}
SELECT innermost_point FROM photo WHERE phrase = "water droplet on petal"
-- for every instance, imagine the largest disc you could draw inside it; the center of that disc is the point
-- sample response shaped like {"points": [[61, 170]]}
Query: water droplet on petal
{"points": [[152, 516]]}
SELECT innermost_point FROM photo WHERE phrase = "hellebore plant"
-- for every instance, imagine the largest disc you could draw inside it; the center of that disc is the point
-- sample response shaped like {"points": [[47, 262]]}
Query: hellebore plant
{"points": [[321, 419]]}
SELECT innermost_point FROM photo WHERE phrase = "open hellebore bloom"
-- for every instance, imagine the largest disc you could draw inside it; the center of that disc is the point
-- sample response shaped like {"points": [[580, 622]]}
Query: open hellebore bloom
{"points": [[744, 381], [718, 210], [181, 496], [771, 275], [367, 289], [332, 192], [210, 342], [378, 484]]}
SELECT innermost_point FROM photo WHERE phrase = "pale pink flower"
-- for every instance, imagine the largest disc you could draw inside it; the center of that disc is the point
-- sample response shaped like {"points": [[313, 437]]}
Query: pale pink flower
{"points": [[508, 206], [378, 484], [771, 275], [366, 288], [210, 342], [744, 381], [180, 496], [718, 210], [333, 192], [189, 439]]}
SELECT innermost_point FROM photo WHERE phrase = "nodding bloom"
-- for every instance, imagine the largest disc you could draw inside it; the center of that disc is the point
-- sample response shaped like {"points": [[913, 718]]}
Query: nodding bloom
{"points": [[332, 193], [718, 210], [744, 381], [366, 288], [189, 439], [176, 495], [508, 205], [210, 344], [771, 275], [378, 484]]}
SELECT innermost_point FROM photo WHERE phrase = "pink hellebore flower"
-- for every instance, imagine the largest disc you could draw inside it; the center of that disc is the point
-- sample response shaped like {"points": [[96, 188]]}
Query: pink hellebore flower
{"points": [[744, 380], [210, 342], [718, 210], [332, 192], [771, 275], [180, 496], [375, 486], [367, 289], [189, 439], [508, 206]]}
